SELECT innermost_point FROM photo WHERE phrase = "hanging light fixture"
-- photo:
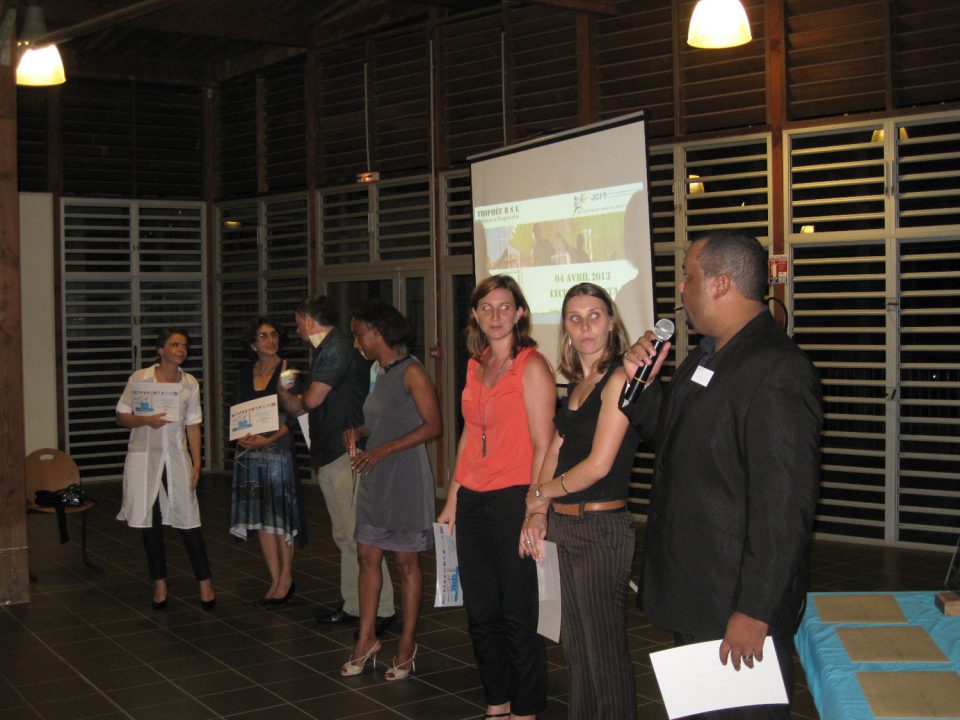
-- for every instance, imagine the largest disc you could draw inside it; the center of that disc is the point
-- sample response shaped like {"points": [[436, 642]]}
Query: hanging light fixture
{"points": [[719, 24], [38, 65]]}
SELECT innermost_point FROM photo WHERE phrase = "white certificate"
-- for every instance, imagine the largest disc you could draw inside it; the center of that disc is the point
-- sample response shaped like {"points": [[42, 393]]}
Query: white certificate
{"points": [[692, 679], [304, 421], [548, 586], [150, 398], [254, 417], [449, 592]]}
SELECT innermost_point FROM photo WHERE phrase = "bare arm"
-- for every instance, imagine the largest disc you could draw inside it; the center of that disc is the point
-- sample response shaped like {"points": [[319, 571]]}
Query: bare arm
{"points": [[424, 396], [449, 513], [194, 443], [540, 401], [611, 427]]}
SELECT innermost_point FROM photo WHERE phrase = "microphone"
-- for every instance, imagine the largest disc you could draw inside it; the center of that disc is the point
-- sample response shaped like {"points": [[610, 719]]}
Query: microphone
{"points": [[663, 331]]}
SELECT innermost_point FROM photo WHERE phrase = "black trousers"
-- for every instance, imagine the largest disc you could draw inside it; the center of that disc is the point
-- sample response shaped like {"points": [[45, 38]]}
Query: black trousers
{"points": [[157, 553], [501, 598], [783, 642]]}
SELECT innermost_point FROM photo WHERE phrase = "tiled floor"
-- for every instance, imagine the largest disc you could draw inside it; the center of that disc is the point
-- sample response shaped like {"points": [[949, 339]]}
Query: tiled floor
{"points": [[89, 645]]}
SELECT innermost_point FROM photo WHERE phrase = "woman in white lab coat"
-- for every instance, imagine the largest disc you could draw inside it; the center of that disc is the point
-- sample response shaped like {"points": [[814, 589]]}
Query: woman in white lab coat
{"points": [[162, 467]]}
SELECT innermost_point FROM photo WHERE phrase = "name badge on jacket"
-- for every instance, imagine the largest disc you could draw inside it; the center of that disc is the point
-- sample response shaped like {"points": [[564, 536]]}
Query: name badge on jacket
{"points": [[702, 375]]}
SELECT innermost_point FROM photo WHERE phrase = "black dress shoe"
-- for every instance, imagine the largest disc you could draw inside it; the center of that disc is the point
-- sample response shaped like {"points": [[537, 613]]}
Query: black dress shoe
{"points": [[337, 617]]}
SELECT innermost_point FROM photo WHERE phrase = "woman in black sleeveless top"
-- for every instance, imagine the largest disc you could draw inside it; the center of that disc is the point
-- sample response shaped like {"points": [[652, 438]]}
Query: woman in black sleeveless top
{"points": [[583, 482]]}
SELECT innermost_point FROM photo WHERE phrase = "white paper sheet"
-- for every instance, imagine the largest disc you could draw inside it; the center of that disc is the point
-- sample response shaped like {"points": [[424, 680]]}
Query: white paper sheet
{"points": [[449, 592], [254, 417], [304, 421], [692, 680], [150, 398], [548, 585]]}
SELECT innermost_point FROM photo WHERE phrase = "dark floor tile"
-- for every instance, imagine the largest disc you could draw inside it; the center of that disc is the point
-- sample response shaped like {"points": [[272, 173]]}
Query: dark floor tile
{"points": [[440, 708], [22, 712], [242, 700], [281, 712], [161, 693], [276, 671], [23, 670], [65, 687], [131, 676], [213, 682], [188, 709], [305, 687], [308, 645], [187, 666], [65, 708], [342, 705]]}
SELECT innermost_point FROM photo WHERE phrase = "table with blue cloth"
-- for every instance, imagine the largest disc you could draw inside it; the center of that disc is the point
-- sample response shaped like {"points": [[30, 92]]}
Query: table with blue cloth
{"points": [[832, 676]]}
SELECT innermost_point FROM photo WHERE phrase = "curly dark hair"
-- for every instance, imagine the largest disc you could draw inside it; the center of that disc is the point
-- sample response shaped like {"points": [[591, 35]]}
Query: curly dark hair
{"points": [[249, 337], [393, 327]]}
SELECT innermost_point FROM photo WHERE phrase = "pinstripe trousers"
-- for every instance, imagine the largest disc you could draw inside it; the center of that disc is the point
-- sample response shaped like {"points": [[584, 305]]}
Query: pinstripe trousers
{"points": [[595, 553]]}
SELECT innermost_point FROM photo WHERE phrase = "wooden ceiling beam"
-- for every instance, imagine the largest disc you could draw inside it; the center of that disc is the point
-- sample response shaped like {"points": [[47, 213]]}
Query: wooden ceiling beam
{"points": [[194, 19], [597, 7], [104, 66], [106, 20]]}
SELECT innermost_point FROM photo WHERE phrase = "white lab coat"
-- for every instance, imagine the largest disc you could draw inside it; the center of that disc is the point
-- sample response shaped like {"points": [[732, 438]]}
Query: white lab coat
{"points": [[150, 450]]}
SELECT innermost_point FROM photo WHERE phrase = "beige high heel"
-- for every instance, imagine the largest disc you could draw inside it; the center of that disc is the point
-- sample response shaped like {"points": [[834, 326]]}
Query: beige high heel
{"points": [[351, 666], [397, 671]]}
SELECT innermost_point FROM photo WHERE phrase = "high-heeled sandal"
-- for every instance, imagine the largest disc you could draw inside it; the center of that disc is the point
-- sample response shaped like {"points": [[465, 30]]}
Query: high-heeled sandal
{"points": [[351, 666], [397, 671]]}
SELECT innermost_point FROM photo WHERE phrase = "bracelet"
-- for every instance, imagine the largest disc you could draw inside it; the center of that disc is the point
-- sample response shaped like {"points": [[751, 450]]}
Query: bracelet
{"points": [[563, 483], [530, 515]]}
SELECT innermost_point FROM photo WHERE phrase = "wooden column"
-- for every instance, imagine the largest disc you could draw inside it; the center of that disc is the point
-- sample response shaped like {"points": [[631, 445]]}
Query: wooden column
{"points": [[14, 575]]}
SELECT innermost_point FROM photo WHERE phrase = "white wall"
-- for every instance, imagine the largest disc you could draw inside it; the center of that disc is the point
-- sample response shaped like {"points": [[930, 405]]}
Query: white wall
{"points": [[38, 320]]}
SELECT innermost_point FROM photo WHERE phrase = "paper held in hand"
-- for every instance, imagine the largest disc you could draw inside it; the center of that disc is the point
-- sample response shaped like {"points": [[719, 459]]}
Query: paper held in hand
{"points": [[692, 679], [253, 417], [449, 592], [150, 398]]}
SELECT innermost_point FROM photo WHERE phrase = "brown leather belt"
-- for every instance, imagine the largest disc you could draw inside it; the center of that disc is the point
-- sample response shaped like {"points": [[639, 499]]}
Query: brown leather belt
{"points": [[578, 509]]}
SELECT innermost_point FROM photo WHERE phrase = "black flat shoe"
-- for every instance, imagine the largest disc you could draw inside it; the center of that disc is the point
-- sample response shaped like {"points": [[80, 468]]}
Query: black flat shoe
{"points": [[208, 604], [277, 603], [159, 605]]}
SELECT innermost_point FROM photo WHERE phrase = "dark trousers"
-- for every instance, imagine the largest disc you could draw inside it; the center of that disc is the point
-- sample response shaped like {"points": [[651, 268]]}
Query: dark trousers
{"points": [[783, 642], [501, 598], [595, 553], [157, 554]]}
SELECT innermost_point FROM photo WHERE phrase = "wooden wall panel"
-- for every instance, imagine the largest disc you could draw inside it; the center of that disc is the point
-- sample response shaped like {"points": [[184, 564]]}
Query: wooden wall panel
{"points": [[635, 63], [285, 138], [97, 138], [723, 89], [471, 67], [836, 57], [926, 52], [542, 43], [400, 82], [341, 137], [168, 141], [32, 139], [237, 165]]}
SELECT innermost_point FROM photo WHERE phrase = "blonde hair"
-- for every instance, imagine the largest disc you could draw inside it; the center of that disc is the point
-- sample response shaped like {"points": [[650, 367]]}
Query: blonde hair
{"points": [[617, 342]]}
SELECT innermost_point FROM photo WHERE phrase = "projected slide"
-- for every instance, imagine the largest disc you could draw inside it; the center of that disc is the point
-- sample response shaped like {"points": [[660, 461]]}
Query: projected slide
{"points": [[567, 209]]}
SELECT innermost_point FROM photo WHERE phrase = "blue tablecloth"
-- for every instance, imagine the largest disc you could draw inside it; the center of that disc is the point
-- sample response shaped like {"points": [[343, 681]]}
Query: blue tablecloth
{"points": [[831, 676]]}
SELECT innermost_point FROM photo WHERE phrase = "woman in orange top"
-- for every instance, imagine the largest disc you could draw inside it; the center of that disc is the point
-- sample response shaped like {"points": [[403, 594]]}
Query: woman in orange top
{"points": [[508, 407]]}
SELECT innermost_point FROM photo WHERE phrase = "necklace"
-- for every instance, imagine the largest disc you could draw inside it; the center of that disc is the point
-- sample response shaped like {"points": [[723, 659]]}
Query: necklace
{"points": [[263, 369], [483, 405], [162, 379]]}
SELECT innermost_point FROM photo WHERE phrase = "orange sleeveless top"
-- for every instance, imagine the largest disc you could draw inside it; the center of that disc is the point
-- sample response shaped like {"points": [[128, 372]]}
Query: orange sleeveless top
{"points": [[499, 413]]}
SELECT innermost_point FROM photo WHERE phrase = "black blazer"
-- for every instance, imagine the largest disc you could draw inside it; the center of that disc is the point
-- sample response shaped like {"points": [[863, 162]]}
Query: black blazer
{"points": [[735, 484]]}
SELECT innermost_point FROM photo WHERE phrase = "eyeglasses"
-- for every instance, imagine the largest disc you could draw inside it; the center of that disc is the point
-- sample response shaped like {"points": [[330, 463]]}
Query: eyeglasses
{"points": [[264, 335]]}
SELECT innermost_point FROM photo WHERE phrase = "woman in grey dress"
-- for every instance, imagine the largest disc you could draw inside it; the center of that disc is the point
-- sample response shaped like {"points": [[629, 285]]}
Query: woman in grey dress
{"points": [[395, 508]]}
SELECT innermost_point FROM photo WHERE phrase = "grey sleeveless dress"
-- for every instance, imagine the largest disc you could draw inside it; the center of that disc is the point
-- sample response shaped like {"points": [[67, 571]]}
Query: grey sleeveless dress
{"points": [[395, 501]]}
